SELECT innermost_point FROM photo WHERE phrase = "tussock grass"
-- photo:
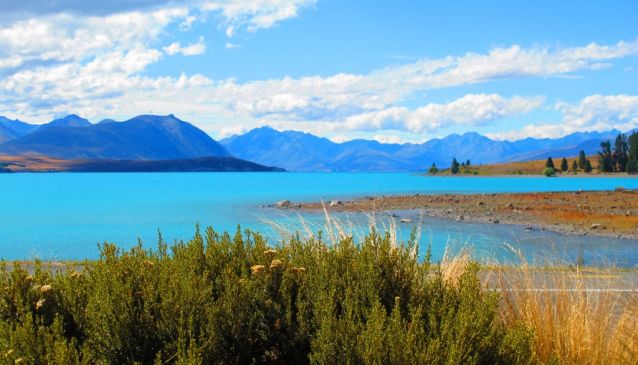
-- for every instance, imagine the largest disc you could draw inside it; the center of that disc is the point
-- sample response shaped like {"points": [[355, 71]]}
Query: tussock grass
{"points": [[577, 316]]}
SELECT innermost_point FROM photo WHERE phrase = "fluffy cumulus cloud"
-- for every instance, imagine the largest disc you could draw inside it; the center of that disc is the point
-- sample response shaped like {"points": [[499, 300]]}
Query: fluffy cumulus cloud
{"points": [[472, 109], [593, 113], [192, 49], [54, 61]]}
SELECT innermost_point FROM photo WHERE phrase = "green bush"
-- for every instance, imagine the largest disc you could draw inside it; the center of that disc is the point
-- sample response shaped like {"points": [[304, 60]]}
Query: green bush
{"points": [[549, 171], [223, 299]]}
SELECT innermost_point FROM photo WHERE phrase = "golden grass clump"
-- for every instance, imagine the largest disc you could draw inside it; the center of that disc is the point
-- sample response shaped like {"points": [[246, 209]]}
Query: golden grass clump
{"points": [[578, 316]]}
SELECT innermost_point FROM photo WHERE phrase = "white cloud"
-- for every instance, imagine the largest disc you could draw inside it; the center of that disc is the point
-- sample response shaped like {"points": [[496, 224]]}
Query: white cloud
{"points": [[256, 14], [385, 138], [593, 113], [230, 45], [340, 138], [232, 130], [472, 109], [342, 95], [192, 49]]}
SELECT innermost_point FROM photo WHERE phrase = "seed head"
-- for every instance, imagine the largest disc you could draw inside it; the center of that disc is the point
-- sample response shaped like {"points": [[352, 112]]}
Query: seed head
{"points": [[270, 252], [45, 289], [257, 268]]}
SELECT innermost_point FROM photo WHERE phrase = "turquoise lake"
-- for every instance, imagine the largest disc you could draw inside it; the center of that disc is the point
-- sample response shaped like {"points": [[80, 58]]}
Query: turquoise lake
{"points": [[60, 216]]}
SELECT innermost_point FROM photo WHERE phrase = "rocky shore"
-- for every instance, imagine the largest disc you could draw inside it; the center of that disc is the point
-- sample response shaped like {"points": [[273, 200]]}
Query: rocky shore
{"points": [[599, 213]]}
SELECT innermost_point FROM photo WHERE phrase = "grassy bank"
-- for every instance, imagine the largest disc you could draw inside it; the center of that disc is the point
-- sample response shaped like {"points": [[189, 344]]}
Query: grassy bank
{"points": [[532, 167], [234, 299]]}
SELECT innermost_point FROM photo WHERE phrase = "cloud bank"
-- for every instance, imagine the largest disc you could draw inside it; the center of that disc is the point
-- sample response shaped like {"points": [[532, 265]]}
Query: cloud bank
{"points": [[53, 62]]}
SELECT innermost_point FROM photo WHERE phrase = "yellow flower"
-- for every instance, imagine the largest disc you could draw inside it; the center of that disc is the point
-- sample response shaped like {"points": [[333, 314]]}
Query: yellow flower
{"points": [[257, 268]]}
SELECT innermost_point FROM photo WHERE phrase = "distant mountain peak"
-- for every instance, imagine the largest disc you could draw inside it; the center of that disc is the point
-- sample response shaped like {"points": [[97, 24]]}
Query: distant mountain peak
{"points": [[71, 120]]}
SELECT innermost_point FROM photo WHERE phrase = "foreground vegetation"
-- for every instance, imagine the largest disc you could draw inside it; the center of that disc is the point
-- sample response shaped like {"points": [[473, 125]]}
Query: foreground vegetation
{"points": [[233, 299]]}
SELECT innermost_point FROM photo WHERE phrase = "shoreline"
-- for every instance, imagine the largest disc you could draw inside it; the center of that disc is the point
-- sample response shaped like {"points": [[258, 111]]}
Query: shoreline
{"points": [[594, 213]]}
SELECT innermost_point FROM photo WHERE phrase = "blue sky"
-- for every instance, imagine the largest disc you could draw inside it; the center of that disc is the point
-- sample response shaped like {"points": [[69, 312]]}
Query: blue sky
{"points": [[393, 71]]}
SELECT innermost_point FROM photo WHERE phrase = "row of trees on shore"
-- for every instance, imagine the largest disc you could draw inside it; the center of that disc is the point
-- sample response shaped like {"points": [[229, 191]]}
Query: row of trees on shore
{"points": [[623, 157], [454, 168], [581, 163]]}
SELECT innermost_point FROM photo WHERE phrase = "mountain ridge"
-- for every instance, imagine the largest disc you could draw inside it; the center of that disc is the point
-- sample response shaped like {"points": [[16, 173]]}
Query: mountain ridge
{"points": [[300, 151]]}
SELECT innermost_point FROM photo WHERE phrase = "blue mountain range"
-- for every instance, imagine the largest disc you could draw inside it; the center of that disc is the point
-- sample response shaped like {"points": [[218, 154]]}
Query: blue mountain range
{"points": [[298, 151], [151, 137]]}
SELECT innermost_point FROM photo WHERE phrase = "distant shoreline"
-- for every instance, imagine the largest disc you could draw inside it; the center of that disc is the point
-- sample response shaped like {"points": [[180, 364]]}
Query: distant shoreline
{"points": [[594, 213], [45, 164]]}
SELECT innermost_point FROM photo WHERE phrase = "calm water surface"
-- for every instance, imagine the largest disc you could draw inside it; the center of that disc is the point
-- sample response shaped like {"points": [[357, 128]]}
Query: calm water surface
{"points": [[65, 215]]}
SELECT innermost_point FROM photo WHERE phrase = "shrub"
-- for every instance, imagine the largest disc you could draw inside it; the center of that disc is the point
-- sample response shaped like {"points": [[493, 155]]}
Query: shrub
{"points": [[233, 299], [549, 171]]}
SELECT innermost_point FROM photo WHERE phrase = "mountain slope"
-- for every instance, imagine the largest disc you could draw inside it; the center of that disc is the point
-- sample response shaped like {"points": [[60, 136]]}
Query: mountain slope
{"points": [[299, 151], [12, 129], [145, 137]]}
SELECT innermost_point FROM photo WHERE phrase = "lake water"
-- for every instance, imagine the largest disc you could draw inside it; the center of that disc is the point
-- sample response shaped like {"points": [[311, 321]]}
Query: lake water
{"points": [[65, 215]]}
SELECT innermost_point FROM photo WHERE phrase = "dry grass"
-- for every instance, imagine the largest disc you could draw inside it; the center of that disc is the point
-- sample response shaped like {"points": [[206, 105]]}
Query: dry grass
{"points": [[577, 318], [534, 167], [34, 162]]}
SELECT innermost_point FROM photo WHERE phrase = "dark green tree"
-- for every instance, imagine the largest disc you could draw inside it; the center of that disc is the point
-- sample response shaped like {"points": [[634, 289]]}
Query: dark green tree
{"points": [[588, 167], [582, 159], [605, 157], [632, 154], [574, 166], [620, 153], [550, 163], [564, 166], [455, 166], [467, 163], [433, 169]]}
